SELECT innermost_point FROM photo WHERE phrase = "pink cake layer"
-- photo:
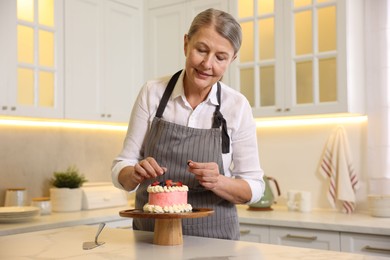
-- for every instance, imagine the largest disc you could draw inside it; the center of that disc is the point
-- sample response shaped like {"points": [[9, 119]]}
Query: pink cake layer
{"points": [[168, 198]]}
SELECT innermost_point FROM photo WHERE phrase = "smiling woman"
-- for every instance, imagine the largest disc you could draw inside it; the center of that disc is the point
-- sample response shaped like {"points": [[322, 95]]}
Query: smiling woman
{"points": [[212, 126]]}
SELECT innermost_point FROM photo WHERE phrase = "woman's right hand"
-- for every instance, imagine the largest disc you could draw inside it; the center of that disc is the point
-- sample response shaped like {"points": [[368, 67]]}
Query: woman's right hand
{"points": [[147, 168], [131, 176]]}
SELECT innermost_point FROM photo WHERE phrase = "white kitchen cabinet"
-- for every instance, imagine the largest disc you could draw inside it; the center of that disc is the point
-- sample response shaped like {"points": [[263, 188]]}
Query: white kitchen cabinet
{"points": [[365, 244], [166, 24], [302, 57], [103, 55], [308, 238], [254, 233], [31, 63]]}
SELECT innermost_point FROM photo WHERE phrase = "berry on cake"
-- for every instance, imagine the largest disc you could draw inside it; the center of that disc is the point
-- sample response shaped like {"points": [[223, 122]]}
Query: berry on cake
{"points": [[167, 197]]}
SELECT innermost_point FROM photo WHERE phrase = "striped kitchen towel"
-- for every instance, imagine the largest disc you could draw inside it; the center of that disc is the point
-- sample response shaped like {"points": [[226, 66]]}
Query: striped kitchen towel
{"points": [[336, 166]]}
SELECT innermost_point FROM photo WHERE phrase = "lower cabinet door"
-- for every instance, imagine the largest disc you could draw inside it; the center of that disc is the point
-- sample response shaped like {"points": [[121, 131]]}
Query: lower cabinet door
{"points": [[375, 245], [308, 238], [254, 233]]}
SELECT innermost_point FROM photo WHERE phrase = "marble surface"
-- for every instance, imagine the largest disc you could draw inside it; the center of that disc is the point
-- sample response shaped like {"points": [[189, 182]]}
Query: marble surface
{"points": [[316, 219], [66, 243], [64, 219]]}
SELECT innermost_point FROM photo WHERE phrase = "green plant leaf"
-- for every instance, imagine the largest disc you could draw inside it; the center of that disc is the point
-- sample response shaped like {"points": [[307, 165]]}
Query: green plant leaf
{"points": [[71, 178]]}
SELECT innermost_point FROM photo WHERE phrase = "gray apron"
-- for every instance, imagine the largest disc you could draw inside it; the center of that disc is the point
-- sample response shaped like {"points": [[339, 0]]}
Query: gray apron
{"points": [[172, 145]]}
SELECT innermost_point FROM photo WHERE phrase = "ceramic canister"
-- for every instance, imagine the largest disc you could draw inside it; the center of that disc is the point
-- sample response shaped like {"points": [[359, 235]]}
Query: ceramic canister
{"points": [[15, 197], [43, 203]]}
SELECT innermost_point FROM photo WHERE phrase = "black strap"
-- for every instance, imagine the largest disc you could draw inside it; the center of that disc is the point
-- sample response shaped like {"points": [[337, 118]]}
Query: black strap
{"points": [[167, 93], [218, 121]]}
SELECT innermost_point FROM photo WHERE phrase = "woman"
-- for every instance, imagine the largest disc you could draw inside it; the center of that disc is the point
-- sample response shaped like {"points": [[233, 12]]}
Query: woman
{"points": [[194, 129]]}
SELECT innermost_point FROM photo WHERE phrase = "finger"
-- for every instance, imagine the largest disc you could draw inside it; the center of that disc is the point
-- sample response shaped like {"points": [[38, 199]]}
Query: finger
{"points": [[140, 171], [157, 168], [145, 170], [151, 168]]}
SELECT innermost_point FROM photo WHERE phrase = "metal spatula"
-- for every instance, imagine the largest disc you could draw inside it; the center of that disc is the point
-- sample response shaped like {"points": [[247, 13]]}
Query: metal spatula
{"points": [[93, 244]]}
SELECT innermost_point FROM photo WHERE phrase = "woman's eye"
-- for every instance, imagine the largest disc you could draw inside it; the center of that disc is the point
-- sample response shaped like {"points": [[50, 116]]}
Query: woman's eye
{"points": [[220, 58]]}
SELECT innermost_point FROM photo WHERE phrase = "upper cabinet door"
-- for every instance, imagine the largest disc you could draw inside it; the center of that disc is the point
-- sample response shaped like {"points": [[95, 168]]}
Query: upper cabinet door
{"points": [[122, 60], [166, 26], [295, 60], [32, 68], [103, 49], [82, 57]]}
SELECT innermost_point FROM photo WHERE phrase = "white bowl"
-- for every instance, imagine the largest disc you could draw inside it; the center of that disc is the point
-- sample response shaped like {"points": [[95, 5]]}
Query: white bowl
{"points": [[379, 205]]}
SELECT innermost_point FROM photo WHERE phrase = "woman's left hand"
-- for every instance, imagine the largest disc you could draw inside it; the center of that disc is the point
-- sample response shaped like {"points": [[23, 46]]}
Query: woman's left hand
{"points": [[206, 173]]}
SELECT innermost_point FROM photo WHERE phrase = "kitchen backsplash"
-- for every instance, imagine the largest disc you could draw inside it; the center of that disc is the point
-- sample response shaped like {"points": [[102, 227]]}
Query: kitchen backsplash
{"points": [[290, 154], [30, 155]]}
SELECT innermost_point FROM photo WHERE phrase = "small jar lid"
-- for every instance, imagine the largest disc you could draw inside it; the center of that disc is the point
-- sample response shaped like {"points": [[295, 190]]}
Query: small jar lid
{"points": [[41, 199]]}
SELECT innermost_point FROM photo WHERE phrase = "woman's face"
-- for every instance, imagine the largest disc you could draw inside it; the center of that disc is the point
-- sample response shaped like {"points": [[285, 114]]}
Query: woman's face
{"points": [[208, 55]]}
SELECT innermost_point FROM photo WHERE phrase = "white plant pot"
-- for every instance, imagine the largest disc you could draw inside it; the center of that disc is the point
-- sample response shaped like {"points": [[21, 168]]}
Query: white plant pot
{"points": [[65, 199]]}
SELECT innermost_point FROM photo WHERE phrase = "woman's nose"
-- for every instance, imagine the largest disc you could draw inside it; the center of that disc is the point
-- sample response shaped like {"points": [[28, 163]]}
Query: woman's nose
{"points": [[207, 62]]}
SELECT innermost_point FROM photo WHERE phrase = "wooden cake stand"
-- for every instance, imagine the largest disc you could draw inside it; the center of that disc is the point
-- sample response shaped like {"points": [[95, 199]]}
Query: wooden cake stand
{"points": [[167, 227]]}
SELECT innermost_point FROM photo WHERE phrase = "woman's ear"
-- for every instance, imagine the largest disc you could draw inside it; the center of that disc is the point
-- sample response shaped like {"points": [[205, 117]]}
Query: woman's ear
{"points": [[185, 44]]}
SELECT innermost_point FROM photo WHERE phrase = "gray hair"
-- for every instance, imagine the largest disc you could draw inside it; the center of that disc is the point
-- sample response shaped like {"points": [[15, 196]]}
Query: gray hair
{"points": [[224, 24]]}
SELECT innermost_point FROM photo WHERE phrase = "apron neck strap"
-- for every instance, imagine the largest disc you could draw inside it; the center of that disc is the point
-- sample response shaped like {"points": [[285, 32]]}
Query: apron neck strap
{"points": [[167, 93]]}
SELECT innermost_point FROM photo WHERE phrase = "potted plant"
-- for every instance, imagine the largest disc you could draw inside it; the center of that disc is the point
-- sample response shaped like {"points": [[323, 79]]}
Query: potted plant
{"points": [[66, 194]]}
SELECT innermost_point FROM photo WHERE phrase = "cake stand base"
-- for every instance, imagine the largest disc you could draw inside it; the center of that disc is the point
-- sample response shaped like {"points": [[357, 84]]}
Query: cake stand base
{"points": [[167, 226], [168, 232]]}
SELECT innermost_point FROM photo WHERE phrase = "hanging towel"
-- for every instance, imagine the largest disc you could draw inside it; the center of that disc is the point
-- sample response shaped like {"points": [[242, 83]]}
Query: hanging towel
{"points": [[336, 166]]}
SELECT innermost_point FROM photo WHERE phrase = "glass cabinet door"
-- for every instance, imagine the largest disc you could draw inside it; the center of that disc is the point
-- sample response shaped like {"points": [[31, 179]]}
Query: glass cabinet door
{"points": [[288, 62], [38, 63], [258, 55], [315, 52]]}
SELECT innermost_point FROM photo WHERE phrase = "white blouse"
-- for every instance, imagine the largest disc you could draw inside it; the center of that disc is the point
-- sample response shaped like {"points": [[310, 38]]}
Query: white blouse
{"points": [[242, 161]]}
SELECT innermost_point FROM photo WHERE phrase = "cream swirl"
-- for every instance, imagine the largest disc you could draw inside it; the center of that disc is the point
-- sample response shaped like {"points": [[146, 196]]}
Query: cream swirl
{"points": [[168, 209], [158, 188]]}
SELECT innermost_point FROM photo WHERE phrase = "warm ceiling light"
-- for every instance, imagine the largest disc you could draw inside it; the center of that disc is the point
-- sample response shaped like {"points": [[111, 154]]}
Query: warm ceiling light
{"points": [[306, 121], [269, 122], [61, 124]]}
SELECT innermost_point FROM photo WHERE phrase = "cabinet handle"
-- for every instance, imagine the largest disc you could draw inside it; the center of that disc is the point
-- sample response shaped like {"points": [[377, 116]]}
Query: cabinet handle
{"points": [[4, 107], [312, 238], [278, 110], [13, 108], [376, 249], [245, 232], [108, 115], [103, 115], [287, 110]]}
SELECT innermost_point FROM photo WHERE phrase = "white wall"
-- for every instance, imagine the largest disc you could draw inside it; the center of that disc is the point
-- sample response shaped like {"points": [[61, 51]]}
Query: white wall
{"points": [[291, 154]]}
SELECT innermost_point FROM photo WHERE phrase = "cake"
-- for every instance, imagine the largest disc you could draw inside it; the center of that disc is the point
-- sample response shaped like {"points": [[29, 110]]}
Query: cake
{"points": [[167, 197]]}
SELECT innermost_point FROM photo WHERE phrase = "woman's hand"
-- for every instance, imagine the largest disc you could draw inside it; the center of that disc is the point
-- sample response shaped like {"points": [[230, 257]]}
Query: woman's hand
{"points": [[147, 168], [206, 173], [131, 176], [232, 189]]}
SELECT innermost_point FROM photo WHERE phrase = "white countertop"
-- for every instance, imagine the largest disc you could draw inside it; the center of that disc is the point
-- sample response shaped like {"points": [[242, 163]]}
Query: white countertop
{"points": [[322, 220], [63, 219], [318, 219], [66, 243]]}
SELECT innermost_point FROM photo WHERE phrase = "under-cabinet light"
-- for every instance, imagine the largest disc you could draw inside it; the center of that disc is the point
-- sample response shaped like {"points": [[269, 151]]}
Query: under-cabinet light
{"points": [[306, 120], [62, 124], [269, 122]]}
